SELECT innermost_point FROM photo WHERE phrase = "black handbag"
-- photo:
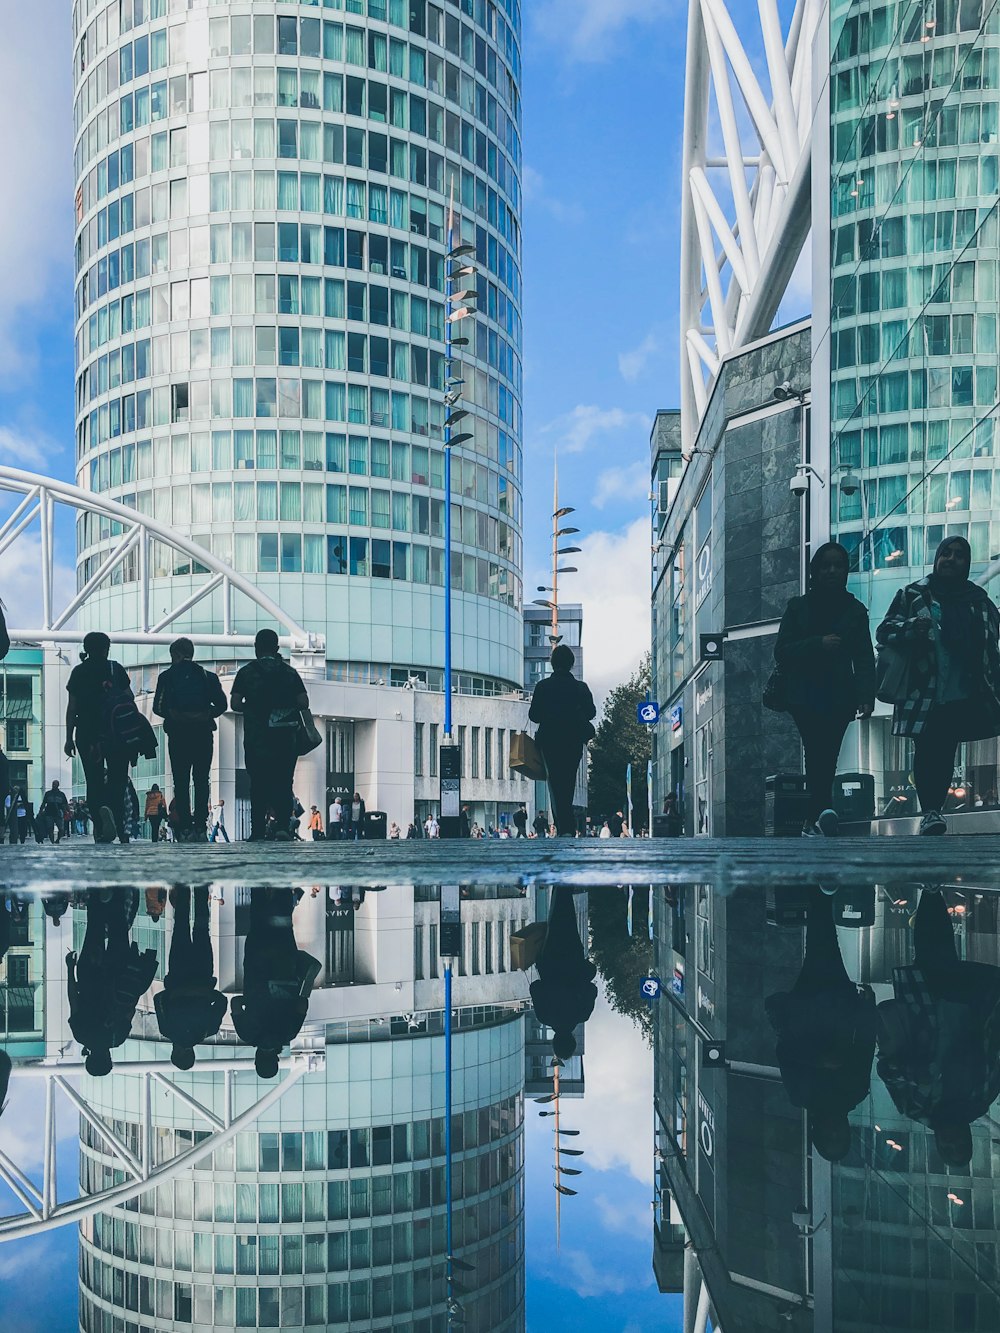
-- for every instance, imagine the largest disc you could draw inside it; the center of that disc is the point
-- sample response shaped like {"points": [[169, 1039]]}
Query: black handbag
{"points": [[775, 696], [307, 734], [892, 673]]}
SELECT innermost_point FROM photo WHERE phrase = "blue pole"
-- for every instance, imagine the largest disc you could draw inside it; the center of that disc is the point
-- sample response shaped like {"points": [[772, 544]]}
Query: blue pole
{"points": [[447, 1127], [447, 494]]}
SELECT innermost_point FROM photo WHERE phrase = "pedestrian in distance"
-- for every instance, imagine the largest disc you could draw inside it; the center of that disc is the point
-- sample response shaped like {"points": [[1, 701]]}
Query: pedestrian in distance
{"points": [[394, 832], [155, 811], [947, 629], [563, 708], [270, 695], [605, 830], [411, 831], [219, 822], [540, 824], [189, 698], [673, 815], [20, 816], [356, 818], [520, 821], [189, 1008], [105, 727], [335, 821], [316, 824], [53, 811], [617, 823], [464, 823], [826, 667]]}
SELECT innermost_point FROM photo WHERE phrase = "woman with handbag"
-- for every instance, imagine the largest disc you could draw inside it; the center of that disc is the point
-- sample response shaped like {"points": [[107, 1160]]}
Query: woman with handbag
{"points": [[825, 676], [563, 707], [945, 628]]}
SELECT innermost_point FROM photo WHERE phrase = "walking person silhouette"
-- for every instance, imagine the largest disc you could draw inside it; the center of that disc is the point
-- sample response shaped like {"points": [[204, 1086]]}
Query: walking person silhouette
{"points": [[189, 1008]]}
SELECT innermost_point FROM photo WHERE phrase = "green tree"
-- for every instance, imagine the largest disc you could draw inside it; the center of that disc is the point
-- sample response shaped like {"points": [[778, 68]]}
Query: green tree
{"points": [[622, 959], [621, 740]]}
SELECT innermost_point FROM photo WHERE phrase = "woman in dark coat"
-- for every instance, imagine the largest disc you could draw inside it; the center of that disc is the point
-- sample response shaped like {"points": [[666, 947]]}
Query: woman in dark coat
{"points": [[827, 667], [947, 627]]}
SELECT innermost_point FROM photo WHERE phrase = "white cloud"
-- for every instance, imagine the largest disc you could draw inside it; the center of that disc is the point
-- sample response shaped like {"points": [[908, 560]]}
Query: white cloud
{"points": [[622, 1096], [613, 586], [630, 482], [588, 1277], [36, 224], [575, 431], [24, 451], [633, 363], [587, 30], [623, 1220], [537, 195], [21, 588]]}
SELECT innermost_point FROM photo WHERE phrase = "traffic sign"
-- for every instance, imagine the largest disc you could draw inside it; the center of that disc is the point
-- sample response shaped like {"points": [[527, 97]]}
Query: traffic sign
{"points": [[648, 712], [650, 988]]}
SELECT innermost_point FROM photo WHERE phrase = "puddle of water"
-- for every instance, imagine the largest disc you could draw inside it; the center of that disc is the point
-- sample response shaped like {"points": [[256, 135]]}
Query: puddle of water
{"points": [[503, 1107]]}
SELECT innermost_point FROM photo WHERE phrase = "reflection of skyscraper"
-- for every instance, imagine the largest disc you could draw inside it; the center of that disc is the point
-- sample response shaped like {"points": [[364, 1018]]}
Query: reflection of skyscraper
{"points": [[331, 1207]]}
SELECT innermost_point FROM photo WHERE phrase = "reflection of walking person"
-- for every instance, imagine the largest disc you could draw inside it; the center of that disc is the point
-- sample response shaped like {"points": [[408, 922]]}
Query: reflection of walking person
{"points": [[824, 654], [563, 707], [826, 1034], [277, 979], [189, 1009], [947, 628], [564, 995], [106, 979], [939, 1038]]}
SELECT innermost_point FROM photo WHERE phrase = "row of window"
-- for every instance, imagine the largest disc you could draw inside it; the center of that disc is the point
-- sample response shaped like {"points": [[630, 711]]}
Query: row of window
{"points": [[872, 28], [928, 441], [895, 546], [920, 181], [931, 335], [293, 450], [914, 234], [964, 280], [318, 1304], [935, 388], [308, 37], [298, 553], [941, 493]]}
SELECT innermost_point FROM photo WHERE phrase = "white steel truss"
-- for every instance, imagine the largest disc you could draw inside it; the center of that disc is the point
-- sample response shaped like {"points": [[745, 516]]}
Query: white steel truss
{"points": [[745, 214], [41, 494], [142, 1172]]}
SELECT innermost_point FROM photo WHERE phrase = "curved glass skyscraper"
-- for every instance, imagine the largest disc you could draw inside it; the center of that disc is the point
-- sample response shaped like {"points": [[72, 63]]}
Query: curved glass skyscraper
{"points": [[262, 205]]}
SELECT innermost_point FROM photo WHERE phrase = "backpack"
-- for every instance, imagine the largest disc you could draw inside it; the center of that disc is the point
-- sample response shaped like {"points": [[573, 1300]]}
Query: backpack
{"points": [[124, 724], [190, 690]]}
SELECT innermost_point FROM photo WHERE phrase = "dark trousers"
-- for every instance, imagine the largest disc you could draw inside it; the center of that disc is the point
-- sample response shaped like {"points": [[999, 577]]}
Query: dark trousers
{"points": [[822, 736], [822, 964], [190, 751], [107, 776], [18, 828], [190, 962], [154, 827], [562, 763], [934, 751], [271, 767]]}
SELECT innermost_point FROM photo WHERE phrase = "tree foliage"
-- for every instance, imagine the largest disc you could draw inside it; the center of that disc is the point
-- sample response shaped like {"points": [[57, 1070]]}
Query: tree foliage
{"points": [[621, 740], [622, 959]]}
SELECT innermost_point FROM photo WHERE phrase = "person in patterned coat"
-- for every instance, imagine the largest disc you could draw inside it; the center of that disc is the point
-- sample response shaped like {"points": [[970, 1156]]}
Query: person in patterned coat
{"points": [[948, 629]]}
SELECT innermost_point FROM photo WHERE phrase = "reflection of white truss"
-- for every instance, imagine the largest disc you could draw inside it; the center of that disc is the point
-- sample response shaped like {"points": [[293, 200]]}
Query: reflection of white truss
{"points": [[141, 1171], [130, 552], [741, 231]]}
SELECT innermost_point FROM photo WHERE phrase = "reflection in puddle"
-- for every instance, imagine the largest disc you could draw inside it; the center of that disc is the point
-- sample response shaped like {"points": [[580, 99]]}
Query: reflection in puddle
{"points": [[279, 1118]]}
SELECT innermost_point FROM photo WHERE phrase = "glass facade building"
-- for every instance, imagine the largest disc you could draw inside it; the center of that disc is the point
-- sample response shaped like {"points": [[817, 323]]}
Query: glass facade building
{"points": [[262, 196], [914, 104]]}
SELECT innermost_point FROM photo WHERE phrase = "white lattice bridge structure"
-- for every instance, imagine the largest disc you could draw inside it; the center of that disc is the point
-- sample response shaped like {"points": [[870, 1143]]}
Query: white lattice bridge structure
{"points": [[130, 556], [745, 210], [42, 1208]]}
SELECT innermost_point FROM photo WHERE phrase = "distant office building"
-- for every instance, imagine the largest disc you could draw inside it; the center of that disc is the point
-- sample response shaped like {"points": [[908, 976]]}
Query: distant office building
{"points": [[22, 712]]}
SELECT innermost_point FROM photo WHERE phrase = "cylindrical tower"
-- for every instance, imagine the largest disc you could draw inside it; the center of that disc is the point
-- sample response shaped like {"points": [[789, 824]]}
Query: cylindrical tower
{"points": [[262, 197]]}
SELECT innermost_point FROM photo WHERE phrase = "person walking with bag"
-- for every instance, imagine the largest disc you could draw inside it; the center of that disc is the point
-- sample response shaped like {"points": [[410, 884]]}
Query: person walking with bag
{"points": [[941, 671], [104, 725], [271, 696], [563, 708], [824, 676], [189, 699]]}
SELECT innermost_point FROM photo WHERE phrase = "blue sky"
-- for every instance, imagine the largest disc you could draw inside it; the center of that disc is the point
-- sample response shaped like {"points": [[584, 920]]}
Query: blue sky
{"points": [[602, 113]]}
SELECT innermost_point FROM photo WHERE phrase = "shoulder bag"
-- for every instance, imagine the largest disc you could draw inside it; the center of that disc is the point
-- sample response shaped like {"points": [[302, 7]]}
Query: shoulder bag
{"points": [[892, 672]]}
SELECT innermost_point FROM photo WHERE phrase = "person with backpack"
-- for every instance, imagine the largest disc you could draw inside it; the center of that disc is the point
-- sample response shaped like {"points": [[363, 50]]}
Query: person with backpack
{"points": [[189, 699], [271, 696], [105, 726], [563, 707], [20, 816], [155, 811], [53, 811]]}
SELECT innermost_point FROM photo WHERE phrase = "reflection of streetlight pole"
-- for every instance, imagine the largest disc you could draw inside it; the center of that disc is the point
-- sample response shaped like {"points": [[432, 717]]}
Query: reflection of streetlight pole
{"points": [[459, 308]]}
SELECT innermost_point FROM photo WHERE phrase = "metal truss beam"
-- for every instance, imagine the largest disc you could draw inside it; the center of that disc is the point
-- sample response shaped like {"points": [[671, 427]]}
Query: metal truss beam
{"points": [[744, 211], [44, 1213], [40, 496]]}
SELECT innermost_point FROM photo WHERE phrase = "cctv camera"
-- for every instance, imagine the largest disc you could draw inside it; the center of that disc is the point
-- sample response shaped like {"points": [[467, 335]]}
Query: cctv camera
{"points": [[799, 484], [782, 391], [850, 483]]}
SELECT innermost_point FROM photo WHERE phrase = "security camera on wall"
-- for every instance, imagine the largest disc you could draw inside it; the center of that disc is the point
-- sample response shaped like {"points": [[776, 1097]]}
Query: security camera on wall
{"points": [[799, 484], [850, 483]]}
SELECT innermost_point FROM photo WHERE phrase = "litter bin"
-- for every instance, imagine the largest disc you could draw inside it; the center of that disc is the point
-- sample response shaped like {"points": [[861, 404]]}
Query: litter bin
{"points": [[785, 803], [375, 825], [668, 826], [854, 797]]}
